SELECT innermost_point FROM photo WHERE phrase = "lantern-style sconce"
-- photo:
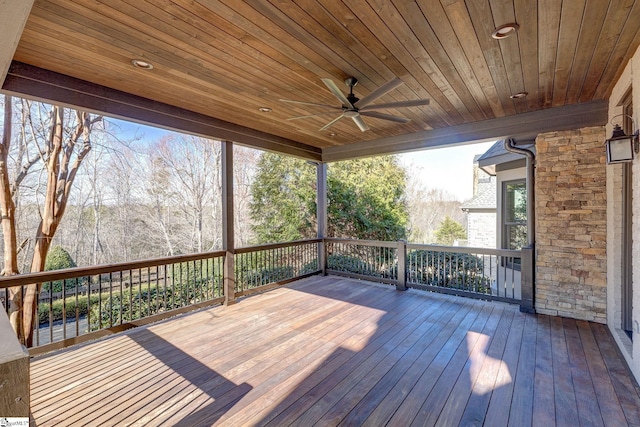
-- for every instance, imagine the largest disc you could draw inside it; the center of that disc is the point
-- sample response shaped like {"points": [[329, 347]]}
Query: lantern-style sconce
{"points": [[621, 147]]}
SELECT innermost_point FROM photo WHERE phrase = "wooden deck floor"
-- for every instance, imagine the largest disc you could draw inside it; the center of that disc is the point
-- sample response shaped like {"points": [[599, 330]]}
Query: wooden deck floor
{"points": [[331, 351]]}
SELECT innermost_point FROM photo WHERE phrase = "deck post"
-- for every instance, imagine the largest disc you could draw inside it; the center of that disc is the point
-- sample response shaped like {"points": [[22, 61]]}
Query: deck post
{"points": [[402, 265], [527, 280], [321, 214], [228, 244]]}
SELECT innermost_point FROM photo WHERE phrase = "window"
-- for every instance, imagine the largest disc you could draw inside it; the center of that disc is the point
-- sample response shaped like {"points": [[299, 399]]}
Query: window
{"points": [[514, 215]]}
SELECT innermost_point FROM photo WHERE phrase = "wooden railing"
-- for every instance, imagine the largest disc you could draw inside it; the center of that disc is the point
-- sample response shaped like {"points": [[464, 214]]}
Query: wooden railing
{"points": [[93, 301], [84, 303], [258, 267], [476, 272]]}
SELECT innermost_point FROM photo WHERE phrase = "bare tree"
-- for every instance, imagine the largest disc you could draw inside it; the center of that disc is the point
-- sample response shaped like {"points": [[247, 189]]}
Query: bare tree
{"points": [[190, 169], [428, 207], [8, 210], [244, 167], [158, 188], [123, 211], [61, 153]]}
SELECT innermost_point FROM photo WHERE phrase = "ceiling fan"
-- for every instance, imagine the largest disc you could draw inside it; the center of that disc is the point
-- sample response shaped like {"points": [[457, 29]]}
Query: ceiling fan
{"points": [[354, 108]]}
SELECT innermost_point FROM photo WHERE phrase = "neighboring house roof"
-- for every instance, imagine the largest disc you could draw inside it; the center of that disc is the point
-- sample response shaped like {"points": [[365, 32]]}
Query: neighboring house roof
{"points": [[498, 155], [485, 197]]}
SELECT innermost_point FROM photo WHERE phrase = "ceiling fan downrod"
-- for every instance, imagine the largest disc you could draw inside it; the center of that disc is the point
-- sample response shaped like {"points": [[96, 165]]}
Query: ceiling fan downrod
{"points": [[351, 82]]}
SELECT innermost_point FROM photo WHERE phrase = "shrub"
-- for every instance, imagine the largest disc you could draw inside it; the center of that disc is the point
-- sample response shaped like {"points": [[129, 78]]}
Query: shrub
{"points": [[255, 278], [135, 303], [69, 304], [58, 259], [352, 264], [131, 305], [448, 269], [309, 267]]}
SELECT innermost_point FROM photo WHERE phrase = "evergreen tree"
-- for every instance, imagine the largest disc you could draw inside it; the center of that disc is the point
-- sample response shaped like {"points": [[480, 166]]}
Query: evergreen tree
{"points": [[58, 259], [366, 199], [449, 231]]}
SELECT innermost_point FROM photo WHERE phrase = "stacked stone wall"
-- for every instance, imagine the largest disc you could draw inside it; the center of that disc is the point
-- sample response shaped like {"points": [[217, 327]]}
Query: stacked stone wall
{"points": [[571, 224]]}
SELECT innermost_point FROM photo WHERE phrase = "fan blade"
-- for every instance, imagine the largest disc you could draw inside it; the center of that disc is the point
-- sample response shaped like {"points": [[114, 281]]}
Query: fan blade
{"points": [[416, 103], [312, 115], [311, 104], [336, 92], [361, 124], [331, 123], [385, 116], [388, 86]]}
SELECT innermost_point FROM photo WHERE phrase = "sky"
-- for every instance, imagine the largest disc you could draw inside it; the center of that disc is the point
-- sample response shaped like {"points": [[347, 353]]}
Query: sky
{"points": [[449, 169]]}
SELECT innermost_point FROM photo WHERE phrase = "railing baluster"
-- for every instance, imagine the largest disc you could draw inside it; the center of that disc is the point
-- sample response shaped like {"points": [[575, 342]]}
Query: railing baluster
{"points": [[64, 309], [157, 290], [89, 304], [130, 296], [77, 309], [110, 305], [99, 301], [181, 284], [139, 293], [173, 285], [121, 298]]}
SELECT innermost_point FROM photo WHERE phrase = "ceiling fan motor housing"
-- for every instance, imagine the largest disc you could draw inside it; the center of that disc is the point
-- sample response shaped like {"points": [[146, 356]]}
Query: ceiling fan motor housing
{"points": [[353, 107], [351, 82]]}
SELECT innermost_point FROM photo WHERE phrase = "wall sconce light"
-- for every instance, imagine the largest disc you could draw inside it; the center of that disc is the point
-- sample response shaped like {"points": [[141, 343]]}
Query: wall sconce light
{"points": [[621, 147]]}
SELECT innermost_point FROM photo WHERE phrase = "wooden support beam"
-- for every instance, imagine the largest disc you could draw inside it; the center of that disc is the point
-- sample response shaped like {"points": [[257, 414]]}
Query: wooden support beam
{"points": [[525, 126], [32, 82], [321, 214], [228, 236], [13, 17]]}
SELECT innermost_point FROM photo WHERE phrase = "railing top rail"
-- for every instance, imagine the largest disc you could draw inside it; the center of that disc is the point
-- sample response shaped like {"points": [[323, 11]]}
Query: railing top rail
{"points": [[376, 243], [69, 273], [466, 250], [256, 248]]}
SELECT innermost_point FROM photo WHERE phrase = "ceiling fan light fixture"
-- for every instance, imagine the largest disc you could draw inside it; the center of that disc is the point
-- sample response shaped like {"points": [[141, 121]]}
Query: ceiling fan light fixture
{"points": [[519, 95], [504, 31], [142, 64]]}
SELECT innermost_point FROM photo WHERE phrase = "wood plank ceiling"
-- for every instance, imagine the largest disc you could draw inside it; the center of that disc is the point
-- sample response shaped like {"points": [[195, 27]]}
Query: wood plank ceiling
{"points": [[229, 58]]}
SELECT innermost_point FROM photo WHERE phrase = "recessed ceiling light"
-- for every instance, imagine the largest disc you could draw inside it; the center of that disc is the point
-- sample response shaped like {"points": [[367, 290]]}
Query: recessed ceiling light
{"points": [[519, 95], [332, 134], [141, 63], [264, 109], [504, 31]]}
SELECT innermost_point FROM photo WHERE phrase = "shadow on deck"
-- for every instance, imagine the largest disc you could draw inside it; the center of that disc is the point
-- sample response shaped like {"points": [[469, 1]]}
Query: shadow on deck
{"points": [[330, 351]]}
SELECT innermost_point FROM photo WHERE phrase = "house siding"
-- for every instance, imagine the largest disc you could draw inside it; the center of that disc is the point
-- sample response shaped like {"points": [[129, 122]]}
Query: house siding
{"points": [[481, 229], [571, 224]]}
